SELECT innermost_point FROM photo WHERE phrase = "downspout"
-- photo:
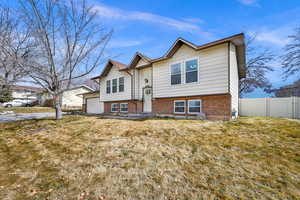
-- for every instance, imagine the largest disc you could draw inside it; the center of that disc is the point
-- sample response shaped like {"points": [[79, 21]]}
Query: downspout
{"points": [[132, 89], [131, 80]]}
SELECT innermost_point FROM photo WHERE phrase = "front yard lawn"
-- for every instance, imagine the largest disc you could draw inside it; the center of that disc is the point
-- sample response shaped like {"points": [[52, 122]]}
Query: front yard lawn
{"points": [[83, 157], [27, 109]]}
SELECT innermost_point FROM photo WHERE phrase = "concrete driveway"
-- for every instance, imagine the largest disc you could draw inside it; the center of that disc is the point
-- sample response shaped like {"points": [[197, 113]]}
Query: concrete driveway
{"points": [[24, 116]]}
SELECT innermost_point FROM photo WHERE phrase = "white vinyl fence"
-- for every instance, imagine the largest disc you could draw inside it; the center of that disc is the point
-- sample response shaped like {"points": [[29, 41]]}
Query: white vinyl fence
{"points": [[288, 107]]}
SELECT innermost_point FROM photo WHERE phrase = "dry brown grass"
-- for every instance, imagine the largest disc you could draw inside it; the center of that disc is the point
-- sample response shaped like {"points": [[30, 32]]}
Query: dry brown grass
{"points": [[27, 109], [89, 158]]}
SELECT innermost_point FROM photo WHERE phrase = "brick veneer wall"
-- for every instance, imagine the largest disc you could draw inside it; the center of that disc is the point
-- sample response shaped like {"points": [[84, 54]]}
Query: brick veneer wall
{"points": [[215, 107], [133, 106]]}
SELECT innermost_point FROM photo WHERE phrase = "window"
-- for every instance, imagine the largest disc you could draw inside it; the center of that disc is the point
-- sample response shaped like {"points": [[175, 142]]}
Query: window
{"points": [[176, 74], [124, 107], [121, 84], [179, 106], [114, 85], [191, 71], [108, 86], [114, 107], [194, 106]]}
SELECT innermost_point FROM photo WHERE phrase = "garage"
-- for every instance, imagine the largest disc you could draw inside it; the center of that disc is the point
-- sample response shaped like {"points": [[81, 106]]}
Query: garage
{"points": [[94, 106]]}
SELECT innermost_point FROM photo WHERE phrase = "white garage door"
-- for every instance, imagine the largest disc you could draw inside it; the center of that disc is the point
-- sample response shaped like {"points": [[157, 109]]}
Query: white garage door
{"points": [[94, 106]]}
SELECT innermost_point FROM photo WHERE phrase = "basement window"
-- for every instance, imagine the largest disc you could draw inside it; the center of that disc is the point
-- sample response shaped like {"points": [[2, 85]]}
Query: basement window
{"points": [[114, 107], [124, 107], [179, 107], [194, 106]]}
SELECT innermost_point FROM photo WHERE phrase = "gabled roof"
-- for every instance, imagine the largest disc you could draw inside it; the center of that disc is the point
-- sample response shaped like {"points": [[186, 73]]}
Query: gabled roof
{"points": [[136, 58], [108, 66], [82, 86], [237, 40]]}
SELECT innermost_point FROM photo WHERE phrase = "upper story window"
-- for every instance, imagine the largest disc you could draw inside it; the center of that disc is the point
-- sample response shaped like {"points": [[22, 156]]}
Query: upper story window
{"points": [[176, 74], [108, 86], [114, 85], [191, 71], [121, 84]]}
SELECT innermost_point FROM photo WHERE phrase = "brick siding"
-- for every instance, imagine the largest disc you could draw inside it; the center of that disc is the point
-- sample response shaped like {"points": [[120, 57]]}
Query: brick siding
{"points": [[215, 107], [133, 106]]}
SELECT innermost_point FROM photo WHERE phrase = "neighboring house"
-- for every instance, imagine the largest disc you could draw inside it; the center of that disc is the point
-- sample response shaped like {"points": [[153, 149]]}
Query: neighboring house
{"points": [[188, 81], [25, 92], [70, 97]]}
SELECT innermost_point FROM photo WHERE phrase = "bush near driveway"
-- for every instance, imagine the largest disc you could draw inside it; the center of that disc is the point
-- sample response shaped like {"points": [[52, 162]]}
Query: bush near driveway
{"points": [[83, 157]]}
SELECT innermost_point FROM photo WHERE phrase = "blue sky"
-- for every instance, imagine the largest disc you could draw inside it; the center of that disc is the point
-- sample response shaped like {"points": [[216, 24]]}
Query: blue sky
{"points": [[151, 27]]}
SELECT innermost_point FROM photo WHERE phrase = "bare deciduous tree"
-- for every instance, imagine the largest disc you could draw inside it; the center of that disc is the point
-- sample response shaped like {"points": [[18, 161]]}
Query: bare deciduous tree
{"points": [[257, 66], [291, 58], [16, 48], [71, 43]]}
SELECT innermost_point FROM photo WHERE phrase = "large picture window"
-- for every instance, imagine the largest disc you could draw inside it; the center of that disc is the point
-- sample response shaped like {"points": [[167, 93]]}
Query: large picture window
{"points": [[179, 106], [114, 85], [194, 106], [108, 86], [114, 107], [176, 74], [124, 107], [121, 84], [191, 71]]}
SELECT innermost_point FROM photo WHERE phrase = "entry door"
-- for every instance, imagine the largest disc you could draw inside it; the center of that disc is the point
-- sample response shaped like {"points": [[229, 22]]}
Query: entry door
{"points": [[147, 100]]}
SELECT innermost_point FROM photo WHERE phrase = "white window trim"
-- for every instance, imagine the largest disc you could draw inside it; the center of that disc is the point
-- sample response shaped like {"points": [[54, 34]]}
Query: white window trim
{"points": [[121, 107], [189, 106], [110, 89], [181, 70], [184, 67], [118, 83], [112, 85], [111, 106], [175, 107]]}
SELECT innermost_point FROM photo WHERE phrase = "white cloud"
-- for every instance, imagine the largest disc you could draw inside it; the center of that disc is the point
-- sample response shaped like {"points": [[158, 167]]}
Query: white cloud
{"points": [[272, 37], [119, 14], [124, 43], [249, 2], [194, 20], [277, 37]]}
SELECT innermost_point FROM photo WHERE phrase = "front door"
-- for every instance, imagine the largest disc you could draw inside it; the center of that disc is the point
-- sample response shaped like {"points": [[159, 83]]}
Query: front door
{"points": [[147, 100]]}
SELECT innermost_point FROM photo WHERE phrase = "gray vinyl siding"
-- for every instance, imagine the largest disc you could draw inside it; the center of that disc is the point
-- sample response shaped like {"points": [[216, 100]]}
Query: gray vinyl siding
{"points": [[212, 73], [115, 73]]}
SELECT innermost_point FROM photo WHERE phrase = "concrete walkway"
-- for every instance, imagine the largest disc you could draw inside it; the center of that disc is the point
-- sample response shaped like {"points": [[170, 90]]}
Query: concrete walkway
{"points": [[24, 116]]}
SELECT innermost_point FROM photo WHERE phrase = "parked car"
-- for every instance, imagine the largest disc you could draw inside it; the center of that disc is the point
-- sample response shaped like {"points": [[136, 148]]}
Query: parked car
{"points": [[18, 103]]}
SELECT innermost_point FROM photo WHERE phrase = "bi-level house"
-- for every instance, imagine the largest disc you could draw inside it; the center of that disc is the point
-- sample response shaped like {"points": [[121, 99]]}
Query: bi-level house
{"points": [[186, 81]]}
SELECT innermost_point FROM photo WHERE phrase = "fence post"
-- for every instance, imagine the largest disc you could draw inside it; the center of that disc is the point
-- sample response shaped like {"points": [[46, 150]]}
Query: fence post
{"points": [[296, 107], [293, 107], [267, 110]]}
